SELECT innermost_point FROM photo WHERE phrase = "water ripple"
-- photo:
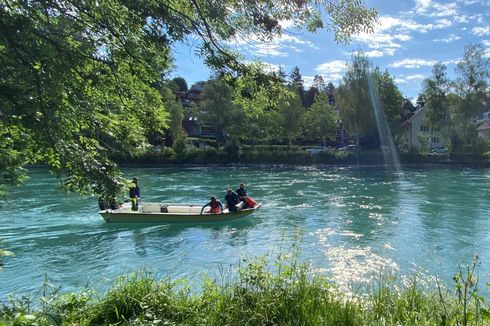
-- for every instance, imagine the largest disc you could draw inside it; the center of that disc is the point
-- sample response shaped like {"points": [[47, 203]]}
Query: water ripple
{"points": [[352, 223]]}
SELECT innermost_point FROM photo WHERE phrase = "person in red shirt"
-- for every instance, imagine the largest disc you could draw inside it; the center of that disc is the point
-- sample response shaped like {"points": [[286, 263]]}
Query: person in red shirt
{"points": [[216, 206]]}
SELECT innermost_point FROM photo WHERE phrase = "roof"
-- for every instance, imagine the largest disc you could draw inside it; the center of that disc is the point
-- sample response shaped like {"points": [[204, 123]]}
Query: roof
{"points": [[409, 121], [484, 126]]}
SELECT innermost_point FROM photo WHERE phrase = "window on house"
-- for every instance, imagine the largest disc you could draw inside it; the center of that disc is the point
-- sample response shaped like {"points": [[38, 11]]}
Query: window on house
{"points": [[435, 140], [424, 128]]}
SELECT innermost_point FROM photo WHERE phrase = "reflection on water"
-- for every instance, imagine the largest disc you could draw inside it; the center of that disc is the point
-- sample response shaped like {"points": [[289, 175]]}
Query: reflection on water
{"points": [[355, 223]]}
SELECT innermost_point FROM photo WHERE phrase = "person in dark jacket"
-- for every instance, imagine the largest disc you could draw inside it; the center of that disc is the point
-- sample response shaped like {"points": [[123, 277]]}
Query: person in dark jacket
{"points": [[242, 194], [216, 206], [231, 200], [134, 194]]}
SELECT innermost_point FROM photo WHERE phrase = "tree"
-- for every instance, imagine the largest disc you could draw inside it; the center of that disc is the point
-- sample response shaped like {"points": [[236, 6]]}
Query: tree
{"points": [[320, 120], [354, 102], [218, 110], [319, 83], [390, 97], [331, 96], [473, 72], [407, 105], [296, 83], [435, 90], [181, 84], [290, 115], [77, 78], [420, 101], [176, 114], [77, 85], [310, 96], [315, 89]]}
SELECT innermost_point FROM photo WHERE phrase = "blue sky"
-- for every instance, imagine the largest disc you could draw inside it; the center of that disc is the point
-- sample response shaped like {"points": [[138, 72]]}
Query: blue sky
{"points": [[411, 36]]}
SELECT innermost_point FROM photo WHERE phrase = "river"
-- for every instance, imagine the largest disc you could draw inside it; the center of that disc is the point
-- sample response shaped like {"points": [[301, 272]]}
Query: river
{"points": [[352, 223]]}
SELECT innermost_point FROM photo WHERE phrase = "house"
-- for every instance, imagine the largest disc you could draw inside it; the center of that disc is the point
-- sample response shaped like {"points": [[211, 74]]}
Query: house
{"points": [[483, 130], [483, 123], [198, 134], [416, 133], [191, 99], [193, 95]]}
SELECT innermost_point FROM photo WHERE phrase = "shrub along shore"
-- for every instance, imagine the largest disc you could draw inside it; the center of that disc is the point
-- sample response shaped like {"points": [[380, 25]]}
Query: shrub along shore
{"points": [[288, 293], [296, 155]]}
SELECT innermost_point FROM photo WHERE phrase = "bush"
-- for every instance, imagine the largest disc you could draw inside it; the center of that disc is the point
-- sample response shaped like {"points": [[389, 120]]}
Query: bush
{"points": [[232, 150], [180, 148], [283, 292]]}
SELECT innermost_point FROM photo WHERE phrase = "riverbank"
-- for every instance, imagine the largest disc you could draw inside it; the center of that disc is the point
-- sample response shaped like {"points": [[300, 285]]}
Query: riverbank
{"points": [[295, 156], [286, 293]]}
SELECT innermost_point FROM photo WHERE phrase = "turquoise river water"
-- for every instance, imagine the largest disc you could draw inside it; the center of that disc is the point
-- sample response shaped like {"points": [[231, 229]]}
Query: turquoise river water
{"points": [[353, 222]]}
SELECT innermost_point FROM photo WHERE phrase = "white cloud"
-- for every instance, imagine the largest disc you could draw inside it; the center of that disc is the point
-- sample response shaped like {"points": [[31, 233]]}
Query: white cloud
{"points": [[286, 38], [374, 54], [332, 70], [387, 23], [278, 47], [481, 31], [444, 10], [461, 19], [435, 9], [415, 77], [400, 80], [442, 23], [269, 50], [412, 63], [391, 32], [449, 39], [334, 66], [380, 40], [285, 24], [409, 78], [486, 43], [267, 66], [451, 61], [421, 6]]}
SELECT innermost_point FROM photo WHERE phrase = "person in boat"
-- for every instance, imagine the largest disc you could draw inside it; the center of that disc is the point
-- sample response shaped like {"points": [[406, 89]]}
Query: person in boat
{"points": [[242, 194], [134, 194], [103, 203], [231, 200], [216, 206]]}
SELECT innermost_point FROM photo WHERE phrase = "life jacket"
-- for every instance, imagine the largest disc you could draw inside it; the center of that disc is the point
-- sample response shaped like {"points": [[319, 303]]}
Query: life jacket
{"points": [[215, 208], [250, 202]]}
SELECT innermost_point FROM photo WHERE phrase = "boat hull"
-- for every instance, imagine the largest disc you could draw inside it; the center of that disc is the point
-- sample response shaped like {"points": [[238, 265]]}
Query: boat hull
{"points": [[180, 215]]}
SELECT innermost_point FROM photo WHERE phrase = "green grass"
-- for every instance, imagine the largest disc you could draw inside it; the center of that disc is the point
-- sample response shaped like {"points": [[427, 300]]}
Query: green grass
{"points": [[283, 293]]}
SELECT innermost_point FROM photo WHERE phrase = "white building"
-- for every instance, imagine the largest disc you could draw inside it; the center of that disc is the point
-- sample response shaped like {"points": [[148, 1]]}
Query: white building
{"points": [[415, 130]]}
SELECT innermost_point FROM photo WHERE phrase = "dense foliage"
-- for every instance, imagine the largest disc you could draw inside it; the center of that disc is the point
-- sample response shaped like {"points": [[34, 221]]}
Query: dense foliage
{"points": [[81, 80], [452, 106]]}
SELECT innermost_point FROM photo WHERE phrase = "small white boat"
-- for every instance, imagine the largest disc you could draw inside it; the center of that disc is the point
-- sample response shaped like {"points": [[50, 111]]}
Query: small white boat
{"points": [[170, 213]]}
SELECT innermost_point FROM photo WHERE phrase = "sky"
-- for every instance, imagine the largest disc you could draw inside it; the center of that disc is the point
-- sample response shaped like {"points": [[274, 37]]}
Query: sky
{"points": [[411, 36]]}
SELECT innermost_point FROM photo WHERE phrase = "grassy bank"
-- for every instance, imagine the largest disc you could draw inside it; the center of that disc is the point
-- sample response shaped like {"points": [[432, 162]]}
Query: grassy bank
{"points": [[283, 293]]}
